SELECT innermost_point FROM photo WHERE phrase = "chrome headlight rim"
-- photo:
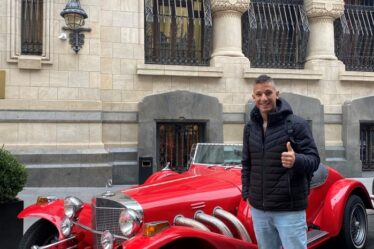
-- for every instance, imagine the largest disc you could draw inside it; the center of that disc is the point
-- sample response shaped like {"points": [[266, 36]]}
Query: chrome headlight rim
{"points": [[72, 206], [130, 222]]}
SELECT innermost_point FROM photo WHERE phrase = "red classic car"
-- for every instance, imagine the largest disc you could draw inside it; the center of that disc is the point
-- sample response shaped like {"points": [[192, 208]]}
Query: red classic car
{"points": [[201, 208]]}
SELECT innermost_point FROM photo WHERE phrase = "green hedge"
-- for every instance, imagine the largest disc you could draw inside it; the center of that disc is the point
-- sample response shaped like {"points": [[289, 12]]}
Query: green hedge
{"points": [[13, 176]]}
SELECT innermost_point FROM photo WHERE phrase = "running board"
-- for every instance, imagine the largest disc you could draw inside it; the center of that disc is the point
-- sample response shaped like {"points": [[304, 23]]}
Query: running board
{"points": [[314, 235]]}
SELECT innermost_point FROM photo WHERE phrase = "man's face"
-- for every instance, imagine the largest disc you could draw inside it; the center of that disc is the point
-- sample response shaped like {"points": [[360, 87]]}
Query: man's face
{"points": [[265, 96]]}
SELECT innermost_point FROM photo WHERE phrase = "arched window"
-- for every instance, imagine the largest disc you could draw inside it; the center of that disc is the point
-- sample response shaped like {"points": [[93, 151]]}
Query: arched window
{"points": [[32, 27], [275, 33], [178, 32], [354, 35]]}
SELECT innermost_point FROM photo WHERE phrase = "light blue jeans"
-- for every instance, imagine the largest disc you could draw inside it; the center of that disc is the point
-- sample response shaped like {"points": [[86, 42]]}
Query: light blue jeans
{"points": [[276, 228]]}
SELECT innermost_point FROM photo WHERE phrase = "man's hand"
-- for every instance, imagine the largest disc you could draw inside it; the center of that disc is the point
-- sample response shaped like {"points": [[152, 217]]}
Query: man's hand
{"points": [[288, 157]]}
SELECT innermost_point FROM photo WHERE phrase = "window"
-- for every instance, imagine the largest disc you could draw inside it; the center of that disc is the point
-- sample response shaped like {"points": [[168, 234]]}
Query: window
{"points": [[354, 35], [32, 27], [275, 34], [367, 146], [178, 32]]}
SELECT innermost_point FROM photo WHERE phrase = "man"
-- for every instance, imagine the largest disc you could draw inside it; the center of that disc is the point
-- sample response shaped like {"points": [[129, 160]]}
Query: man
{"points": [[275, 170]]}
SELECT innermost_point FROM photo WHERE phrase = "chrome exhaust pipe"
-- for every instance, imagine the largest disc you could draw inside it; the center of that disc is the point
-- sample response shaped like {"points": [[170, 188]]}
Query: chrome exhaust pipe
{"points": [[223, 214], [180, 220], [201, 216]]}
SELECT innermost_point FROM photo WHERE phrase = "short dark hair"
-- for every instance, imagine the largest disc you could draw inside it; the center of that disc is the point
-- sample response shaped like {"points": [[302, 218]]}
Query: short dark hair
{"points": [[264, 79]]}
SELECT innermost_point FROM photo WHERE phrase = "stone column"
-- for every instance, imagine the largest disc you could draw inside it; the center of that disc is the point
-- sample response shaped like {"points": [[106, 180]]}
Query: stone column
{"points": [[321, 15], [227, 33]]}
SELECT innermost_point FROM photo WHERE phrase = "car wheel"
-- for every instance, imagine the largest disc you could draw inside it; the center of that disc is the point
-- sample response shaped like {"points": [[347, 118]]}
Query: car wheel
{"points": [[41, 233], [355, 225]]}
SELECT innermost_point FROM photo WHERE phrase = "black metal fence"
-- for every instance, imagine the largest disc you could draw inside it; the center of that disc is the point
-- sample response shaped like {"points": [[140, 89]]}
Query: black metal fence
{"points": [[178, 32], [32, 27], [354, 35], [275, 33]]}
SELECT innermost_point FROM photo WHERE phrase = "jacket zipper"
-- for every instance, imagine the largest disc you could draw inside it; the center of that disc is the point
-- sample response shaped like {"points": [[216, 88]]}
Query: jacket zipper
{"points": [[289, 187], [262, 167]]}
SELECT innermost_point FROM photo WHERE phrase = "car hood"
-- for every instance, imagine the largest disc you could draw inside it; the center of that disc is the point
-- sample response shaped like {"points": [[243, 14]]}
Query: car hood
{"points": [[188, 193]]}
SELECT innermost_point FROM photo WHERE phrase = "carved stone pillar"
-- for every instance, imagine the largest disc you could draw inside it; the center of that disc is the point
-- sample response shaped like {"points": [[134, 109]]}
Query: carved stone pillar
{"points": [[227, 33], [321, 15]]}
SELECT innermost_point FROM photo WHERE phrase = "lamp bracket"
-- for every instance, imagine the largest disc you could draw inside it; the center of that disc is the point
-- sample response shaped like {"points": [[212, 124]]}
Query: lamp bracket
{"points": [[76, 38]]}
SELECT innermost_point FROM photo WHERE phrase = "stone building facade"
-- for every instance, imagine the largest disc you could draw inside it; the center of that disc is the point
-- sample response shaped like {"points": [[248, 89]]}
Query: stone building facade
{"points": [[78, 119]]}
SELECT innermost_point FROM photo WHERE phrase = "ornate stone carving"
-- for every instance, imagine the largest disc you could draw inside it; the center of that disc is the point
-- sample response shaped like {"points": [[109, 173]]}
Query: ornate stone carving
{"points": [[233, 5], [323, 8]]}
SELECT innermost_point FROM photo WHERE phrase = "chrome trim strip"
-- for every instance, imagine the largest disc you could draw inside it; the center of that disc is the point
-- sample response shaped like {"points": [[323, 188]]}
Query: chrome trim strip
{"points": [[221, 213], [180, 220], [201, 216], [54, 244], [98, 232]]}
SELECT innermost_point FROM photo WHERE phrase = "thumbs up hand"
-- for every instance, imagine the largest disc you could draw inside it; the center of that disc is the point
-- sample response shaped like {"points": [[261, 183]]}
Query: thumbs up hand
{"points": [[288, 157]]}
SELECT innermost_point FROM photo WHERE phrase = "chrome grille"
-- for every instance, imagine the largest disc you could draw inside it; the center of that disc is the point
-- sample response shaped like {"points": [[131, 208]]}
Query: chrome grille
{"points": [[105, 216]]}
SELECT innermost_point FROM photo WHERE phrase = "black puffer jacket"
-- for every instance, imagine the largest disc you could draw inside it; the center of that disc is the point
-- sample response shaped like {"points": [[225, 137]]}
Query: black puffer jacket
{"points": [[266, 183]]}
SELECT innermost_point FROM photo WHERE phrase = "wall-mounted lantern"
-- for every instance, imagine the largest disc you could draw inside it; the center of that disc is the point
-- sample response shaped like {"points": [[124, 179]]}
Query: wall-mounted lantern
{"points": [[74, 17]]}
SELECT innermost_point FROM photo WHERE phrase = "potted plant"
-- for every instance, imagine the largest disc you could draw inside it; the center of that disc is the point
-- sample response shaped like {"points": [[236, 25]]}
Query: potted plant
{"points": [[13, 178]]}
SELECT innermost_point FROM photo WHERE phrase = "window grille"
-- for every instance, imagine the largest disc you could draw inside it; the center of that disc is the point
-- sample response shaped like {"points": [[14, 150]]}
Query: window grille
{"points": [[275, 34], [32, 27], [175, 141], [178, 32], [367, 146], [354, 35]]}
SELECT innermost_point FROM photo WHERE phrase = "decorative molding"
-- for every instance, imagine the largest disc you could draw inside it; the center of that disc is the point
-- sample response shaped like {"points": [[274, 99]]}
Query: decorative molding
{"points": [[320, 8], [228, 14], [289, 74], [182, 71], [32, 116], [225, 5], [354, 76]]}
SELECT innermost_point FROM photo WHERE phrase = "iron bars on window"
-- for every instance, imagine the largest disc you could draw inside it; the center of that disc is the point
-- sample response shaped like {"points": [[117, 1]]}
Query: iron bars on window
{"points": [[32, 27], [354, 36], [275, 34], [178, 32]]}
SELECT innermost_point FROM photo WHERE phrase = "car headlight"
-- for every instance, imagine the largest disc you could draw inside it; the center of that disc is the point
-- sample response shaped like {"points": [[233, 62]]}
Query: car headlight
{"points": [[66, 226], [72, 206], [130, 222]]}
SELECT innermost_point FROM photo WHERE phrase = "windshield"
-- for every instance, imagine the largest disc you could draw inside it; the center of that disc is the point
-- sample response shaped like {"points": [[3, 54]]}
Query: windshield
{"points": [[223, 154]]}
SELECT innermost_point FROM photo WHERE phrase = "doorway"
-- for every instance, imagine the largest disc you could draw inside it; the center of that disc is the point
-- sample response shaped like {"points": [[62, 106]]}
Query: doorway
{"points": [[367, 146], [174, 142]]}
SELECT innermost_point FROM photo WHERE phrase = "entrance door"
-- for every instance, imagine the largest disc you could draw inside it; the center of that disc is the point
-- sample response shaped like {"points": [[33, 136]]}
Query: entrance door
{"points": [[174, 141], [367, 146]]}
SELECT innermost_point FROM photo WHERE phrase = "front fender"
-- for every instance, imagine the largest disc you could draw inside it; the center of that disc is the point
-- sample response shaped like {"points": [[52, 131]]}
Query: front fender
{"points": [[54, 213], [185, 235], [331, 216]]}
